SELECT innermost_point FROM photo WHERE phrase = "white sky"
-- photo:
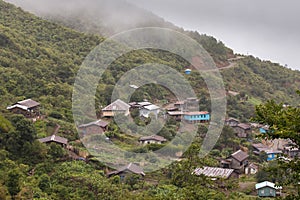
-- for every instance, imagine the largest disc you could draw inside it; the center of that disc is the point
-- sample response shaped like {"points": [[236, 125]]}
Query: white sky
{"points": [[268, 29]]}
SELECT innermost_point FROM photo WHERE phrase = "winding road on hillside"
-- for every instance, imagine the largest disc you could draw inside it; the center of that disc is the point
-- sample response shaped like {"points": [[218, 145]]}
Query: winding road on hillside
{"points": [[232, 63]]}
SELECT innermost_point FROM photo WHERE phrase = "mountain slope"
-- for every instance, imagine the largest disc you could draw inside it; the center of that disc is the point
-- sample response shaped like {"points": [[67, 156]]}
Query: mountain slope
{"points": [[107, 17], [39, 59]]}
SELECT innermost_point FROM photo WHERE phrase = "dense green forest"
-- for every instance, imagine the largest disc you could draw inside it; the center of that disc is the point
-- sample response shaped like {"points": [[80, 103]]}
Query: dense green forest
{"points": [[39, 60]]}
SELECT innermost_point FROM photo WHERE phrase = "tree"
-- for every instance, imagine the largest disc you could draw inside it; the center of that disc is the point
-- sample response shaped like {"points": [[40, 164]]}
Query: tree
{"points": [[284, 123], [132, 179], [44, 182], [13, 182], [3, 192], [5, 125]]}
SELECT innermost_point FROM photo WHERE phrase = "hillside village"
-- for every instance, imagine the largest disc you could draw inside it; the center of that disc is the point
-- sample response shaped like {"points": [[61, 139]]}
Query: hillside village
{"points": [[46, 155], [237, 164]]}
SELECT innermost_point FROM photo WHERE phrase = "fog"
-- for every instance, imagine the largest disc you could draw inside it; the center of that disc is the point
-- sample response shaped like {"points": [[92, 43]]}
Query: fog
{"points": [[267, 29], [110, 17]]}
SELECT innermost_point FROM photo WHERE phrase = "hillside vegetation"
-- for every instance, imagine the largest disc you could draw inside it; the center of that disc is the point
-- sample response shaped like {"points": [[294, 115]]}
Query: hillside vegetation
{"points": [[39, 60]]}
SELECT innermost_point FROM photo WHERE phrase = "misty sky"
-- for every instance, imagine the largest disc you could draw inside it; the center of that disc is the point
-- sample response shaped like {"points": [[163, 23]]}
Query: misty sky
{"points": [[268, 29]]}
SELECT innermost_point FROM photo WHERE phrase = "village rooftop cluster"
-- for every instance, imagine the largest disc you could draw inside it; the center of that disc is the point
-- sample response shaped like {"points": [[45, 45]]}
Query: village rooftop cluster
{"points": [[234, 166]]}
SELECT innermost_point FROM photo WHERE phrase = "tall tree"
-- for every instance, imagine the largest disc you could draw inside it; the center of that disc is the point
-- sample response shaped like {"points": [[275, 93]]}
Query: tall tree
{"points": [[13, 182], [284, 123]]}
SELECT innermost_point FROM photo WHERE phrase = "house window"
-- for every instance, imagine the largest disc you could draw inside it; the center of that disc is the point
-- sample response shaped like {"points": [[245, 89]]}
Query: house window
{"points": [[271, 191], [262, 191]]}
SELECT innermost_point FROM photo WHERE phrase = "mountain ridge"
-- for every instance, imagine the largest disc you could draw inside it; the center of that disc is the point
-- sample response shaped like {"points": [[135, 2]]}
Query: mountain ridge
{"points": [[43, 50]]}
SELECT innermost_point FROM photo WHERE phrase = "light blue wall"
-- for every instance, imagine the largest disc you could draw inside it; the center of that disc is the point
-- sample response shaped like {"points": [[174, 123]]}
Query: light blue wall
{"points": [[202, 117], [271, 156], [262, 131], [267, 192]]}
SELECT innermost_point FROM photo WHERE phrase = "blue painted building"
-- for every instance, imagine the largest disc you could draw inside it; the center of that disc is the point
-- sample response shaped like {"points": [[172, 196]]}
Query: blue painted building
{"points": [[272, 154], [196, 117], [264, 129], [187, 71], [267, 189]]}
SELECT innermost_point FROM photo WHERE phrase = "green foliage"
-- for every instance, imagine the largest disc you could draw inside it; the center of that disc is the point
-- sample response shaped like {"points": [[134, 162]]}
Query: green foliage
{"points": [[44, 182], [284, 124], [5, 125], [20, 142], [56, 151], [39, 60], [13, 182]]}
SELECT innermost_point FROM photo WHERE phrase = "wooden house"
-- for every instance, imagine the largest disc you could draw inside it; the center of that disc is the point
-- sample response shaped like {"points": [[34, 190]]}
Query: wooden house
{"points": [[215, 172], [271, 153], [117, 107], [179, 105], [196, 117], [232, 122], [177, 115], [190, 104], [237, 161], [29, 108], [153, 139], [146, 111], [267, 189], [242, 130], [251, 169], [128, 169], [54, 139], [259, 147], [96, 127], [134, 105], [291, 151]]}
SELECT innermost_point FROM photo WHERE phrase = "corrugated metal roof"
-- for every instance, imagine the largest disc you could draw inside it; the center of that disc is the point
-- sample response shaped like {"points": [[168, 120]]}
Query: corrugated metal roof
{"points": [[17, 106], [240, 155], [152, 107], [244, 126], [131, 168], [117, 105], [144, 103], [54, 138], [25, 104], [232, 119], [260, 146], [175, 113], [214, 172], [267, 184], [29, 103], [197, 113]]}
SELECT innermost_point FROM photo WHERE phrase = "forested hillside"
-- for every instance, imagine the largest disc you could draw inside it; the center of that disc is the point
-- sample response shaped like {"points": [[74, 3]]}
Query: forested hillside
{"points": [[254, 79], [39, 60]]}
